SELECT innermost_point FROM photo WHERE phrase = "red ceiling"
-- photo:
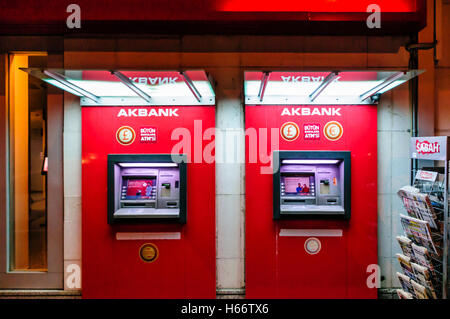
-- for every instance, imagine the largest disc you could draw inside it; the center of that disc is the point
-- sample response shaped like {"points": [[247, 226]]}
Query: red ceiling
{"points": [[212, 16]]}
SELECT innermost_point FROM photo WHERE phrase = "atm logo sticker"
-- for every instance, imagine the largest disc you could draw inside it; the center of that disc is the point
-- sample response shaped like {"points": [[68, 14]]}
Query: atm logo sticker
{"points": [[147, 134], [333, 130], [125, 135], [290, 131], [311, 131]]}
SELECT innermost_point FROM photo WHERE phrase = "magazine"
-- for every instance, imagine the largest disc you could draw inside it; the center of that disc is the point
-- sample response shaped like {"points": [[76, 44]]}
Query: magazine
{"points": [[403, 294], [419, 232], [418, 205], [424, 278], [405, 263], [405, 282], [405, 244], [422, 257], [420, 291]]}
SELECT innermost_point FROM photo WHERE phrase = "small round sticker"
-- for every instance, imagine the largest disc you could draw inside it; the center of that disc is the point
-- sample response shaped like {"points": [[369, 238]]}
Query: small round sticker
{"points": [[290, 131], [148, 252], [312, 245], [333, 130], [125, 135]]}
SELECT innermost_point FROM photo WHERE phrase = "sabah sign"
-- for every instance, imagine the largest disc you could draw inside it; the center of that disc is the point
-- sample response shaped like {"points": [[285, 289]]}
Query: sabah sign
{"points": [[431, 147]]}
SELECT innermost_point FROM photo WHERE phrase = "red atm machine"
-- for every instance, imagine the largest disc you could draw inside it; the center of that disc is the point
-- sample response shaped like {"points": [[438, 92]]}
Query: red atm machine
{"points": [[311, 220], [148, 197]]}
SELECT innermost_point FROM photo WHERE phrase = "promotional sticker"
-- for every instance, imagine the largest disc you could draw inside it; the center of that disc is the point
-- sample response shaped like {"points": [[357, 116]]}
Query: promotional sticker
{"points": [[290, 131], [125, 135], [333, 130]]}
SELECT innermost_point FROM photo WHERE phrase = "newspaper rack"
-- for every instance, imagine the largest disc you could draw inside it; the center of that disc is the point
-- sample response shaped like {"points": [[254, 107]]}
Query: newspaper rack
{"points": [[425, 244]]}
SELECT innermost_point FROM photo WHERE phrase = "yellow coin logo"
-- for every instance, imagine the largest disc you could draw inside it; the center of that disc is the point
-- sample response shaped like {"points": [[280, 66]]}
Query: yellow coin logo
{"points": [[289, 131], [148, 252], [125, 135], [333, 130], [312, 246]]}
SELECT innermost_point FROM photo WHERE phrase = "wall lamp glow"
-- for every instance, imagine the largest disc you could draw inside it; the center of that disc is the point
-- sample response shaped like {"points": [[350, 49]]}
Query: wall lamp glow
{"points": [[310, 161], [327, 81], [191, 86], [148, 164], [130, 84], [390, 79], [63, 81]]}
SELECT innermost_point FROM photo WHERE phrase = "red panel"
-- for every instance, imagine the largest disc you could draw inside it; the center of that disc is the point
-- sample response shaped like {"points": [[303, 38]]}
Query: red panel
{"points": [[316, 5], [108, 10], [279, 267], [206, 16], [112, 269]]}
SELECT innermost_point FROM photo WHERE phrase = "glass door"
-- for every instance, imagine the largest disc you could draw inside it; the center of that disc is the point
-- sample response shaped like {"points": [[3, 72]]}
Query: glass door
{"points": [[32, 241]]}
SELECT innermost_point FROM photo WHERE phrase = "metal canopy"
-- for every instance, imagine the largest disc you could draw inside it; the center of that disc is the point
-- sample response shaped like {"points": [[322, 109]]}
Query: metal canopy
{"points": [[131, 88], [321, 87]]}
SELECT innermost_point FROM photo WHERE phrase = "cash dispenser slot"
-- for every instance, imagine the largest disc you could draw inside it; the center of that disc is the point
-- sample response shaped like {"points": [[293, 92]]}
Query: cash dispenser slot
{"points": [[146, 189]]}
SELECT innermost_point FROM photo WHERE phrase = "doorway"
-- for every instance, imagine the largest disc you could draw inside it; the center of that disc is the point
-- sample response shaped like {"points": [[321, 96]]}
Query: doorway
{"points": [[32, 214]]}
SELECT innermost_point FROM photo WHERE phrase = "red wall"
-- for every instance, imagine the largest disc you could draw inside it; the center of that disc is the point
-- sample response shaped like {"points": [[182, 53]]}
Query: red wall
{"points": [[279, 267], [185, 268]]}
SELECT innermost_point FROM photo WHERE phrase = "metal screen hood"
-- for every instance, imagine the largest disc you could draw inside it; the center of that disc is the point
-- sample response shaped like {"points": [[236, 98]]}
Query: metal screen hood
{"points": [[133, 88]]}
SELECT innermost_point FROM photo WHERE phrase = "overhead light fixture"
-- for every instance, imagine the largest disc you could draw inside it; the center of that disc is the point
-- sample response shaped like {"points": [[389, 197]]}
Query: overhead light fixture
{"points": [[310, 161], [139, 165], [262, 87], [61, 79], [191, 86], [62, 86], [388, 81], [130, 84], [327, 81]]}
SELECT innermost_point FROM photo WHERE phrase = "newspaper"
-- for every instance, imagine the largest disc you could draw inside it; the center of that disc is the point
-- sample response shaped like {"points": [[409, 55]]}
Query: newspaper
{"points": [[403, 294], [424, 277], [405, 264], [418, 205], [420, 291], [422, 257], [405, 282], [405, 244], [419, 232]]}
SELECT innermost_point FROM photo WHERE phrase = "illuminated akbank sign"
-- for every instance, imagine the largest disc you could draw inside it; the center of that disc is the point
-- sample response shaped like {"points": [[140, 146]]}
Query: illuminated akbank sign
{"points": [[307, 111]]}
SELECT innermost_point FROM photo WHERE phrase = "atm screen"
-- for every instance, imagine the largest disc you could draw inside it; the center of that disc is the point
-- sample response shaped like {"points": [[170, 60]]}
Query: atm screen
{"points": [[298, 184], [139, 188]]}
